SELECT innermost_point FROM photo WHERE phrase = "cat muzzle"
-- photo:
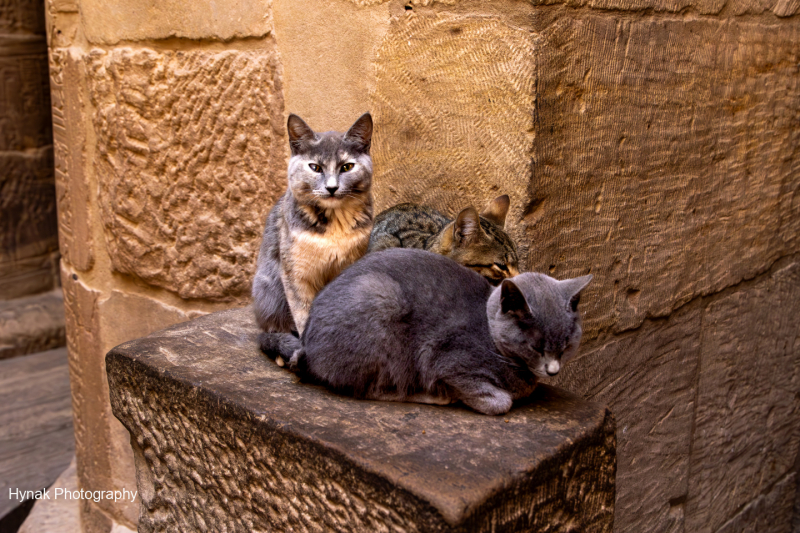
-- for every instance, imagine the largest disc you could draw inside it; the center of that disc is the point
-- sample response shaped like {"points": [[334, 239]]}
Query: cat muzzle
{"points": [[552, 368]]}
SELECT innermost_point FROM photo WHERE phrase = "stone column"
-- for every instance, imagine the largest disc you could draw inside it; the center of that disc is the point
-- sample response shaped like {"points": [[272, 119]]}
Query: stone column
{"points": [[28, 239], [169, 150]]}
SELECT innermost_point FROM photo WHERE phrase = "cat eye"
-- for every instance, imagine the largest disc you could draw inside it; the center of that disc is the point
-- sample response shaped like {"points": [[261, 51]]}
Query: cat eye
{"points": [[501, 266], [347, 167], [315, 167]]}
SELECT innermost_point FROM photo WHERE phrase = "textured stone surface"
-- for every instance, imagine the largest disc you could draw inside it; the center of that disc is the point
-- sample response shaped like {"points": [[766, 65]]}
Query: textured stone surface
{"points": [[662, 159], [35, 423], [225, 439], [32, 324], [67, 75], [24, 93], [109, 22], [649, 378], [781, 8], [746, 432], [191, 156], [453, 107], [769, 513], [348, 59], [28, 238], [21, 16], [96, 322]]}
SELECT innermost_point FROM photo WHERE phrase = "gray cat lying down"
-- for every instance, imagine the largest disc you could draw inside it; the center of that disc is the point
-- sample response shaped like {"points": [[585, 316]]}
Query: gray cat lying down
{"points": [[410, 325]]}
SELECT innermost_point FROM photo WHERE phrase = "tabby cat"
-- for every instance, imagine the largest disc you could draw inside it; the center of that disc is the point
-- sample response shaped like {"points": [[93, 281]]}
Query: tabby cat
{"points": [[319, 227], [409, 325], [475, 241]]}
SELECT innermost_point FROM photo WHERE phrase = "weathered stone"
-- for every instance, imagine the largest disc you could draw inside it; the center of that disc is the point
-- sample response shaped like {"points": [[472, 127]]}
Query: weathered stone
{"points": [[24, 93], [109, 22], [32, 324], [95, 323], [225, 439], [769, 513], [87, 381], [123, 317], [28, 238], [21, 16], [660, 159], [649, 379], [781, 8], [348, 58], [67, 74], [746, 434], [191, 155], [454, 111]]}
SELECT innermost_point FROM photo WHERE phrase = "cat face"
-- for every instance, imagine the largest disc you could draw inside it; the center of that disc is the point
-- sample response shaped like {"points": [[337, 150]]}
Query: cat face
{"points": [[535, 318], [330, 170], [479, 242]]}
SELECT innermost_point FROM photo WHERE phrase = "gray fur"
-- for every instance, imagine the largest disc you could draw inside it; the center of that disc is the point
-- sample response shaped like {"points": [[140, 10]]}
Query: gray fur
{"points": [[409, 325], [319, 226]]}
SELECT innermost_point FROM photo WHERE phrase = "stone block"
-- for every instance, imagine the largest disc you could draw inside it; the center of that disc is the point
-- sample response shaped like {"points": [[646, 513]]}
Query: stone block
{"points": [[109, 22], [224, 439], [97, 321], [454, 110], [646, 151], [768, 513], [781, 8], [342, 98], [24, 93], [32, 324], [647, 378], [746, 434], [28, 231], [659, 161], [21, 17], [67, 77], [191, 156]]}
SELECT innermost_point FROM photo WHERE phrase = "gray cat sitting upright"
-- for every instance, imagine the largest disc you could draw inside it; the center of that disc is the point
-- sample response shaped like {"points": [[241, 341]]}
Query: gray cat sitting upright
{"points": [[318, 228], [410, 325]]}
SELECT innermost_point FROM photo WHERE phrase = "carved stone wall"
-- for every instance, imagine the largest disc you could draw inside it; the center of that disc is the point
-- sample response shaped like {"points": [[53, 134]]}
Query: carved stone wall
{"points": [[28, 241], [653, 143]]}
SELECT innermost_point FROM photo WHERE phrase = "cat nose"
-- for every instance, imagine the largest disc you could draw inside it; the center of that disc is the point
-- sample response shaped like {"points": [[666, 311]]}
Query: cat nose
{"points": [[332, 189], [552, 368]]}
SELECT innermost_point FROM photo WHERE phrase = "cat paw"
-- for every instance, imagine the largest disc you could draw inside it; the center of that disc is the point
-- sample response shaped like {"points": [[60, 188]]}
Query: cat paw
{"points": [[294, 360], [490, 400]]}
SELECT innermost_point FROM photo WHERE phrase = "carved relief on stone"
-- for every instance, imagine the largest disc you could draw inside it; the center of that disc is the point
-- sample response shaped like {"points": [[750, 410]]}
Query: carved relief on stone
{"points": [[191, 156]]}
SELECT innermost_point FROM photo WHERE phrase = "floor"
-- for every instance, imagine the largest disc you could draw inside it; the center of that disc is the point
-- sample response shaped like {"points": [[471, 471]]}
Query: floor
{"points": [[36, 439]]}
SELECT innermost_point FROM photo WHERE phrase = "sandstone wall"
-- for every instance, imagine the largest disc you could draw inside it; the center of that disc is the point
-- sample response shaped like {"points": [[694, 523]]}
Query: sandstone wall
{"points": [[28, 240], [653, 143]]}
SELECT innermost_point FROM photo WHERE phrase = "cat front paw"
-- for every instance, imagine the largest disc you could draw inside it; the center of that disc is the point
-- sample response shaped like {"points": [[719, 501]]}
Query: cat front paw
{"points": [[296, 359], [489, 400]]}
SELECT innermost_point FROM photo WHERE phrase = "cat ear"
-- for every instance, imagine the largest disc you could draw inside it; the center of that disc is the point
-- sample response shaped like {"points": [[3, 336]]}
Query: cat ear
{"points": [[299, 132], [571, 288], [512, 301], [361, 132], [497, 210], [467, 226]]}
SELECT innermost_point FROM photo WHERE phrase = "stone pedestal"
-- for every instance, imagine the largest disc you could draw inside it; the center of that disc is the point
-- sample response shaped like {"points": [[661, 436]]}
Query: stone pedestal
{"points": [[225, 440]]}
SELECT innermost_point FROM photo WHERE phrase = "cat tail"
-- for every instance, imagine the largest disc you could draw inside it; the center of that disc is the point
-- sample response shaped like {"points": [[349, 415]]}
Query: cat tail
{"points": [[278, 345]]}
